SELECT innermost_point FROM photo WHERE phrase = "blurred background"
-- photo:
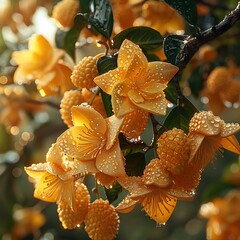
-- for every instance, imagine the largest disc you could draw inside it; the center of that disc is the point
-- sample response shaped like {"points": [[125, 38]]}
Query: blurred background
{"points": [[29, 123]]}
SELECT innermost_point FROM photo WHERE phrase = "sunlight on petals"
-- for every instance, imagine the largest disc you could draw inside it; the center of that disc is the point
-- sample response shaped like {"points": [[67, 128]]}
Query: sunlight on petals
{"points": [[88, 117], [50, 188], [111, 161], [127, 52], [39, 45], [114, 125], [81, 142], [108, 80], [158, 205], [156, 106], [230, 143]]}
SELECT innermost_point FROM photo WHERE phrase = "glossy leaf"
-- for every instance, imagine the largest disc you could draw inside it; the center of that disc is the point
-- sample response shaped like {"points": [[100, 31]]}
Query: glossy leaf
{"points": [[147, 38], [173, 47], [179, 117], [102, 17], [104, 65], [171, 93], [135, 164], [112, 193], [187, 8]]}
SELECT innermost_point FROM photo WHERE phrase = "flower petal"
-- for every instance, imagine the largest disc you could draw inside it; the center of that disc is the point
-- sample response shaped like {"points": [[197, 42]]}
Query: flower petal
{"points": [[132, 184], [86, 116], [205, 149], [81, 142], [127, 52], [195, 141], [230, 129], [84, 167], [156, 106], [108, 80], [111, 162], [158, 205], [206, 123], [126, 205], [114, 125], [28, 60], [121, 104], [230, 143], [50, 188], [39, 45]]}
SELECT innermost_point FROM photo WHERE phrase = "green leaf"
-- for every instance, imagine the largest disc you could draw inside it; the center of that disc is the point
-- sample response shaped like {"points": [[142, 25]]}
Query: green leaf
{"points": [[84, 5], [105, 64], [173, 47], [179, 117], [187, 8], [112, 193], [171, 93], [102, 17], [135, 164], [196, 80], [147, 38], [216, 189]]}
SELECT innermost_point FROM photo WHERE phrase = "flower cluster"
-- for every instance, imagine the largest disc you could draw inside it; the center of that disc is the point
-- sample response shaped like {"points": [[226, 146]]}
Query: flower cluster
{"points": [[91, 146]]}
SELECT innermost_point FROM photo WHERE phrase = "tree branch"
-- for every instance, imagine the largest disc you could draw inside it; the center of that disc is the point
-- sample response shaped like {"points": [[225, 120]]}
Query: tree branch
{"points": [[193, 43]]}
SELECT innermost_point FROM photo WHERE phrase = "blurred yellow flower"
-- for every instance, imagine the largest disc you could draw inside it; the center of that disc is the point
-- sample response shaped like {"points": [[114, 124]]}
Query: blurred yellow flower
{"points": [[136, 83], [94, 138], [223, 216], [208, 134], [42, 62]]}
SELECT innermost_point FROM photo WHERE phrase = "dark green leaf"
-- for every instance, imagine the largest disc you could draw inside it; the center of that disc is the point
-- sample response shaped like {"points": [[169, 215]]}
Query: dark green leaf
{"points": [[173, 47], [135, 164], [187, 8], [179, 117], [152, 58], [104, 65], [147, 38], [112, 193], [84, 5], [106, 98], [196, 80], [102, 17], [171, 93], [81, 20], [215, 189]]}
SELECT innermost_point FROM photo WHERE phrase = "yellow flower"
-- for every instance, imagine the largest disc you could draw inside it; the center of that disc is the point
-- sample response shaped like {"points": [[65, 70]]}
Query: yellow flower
{"points": [[136, 83], [158, 190], [157, 203], [208, 134], [93, 138], [53, 181], [41, 62]]}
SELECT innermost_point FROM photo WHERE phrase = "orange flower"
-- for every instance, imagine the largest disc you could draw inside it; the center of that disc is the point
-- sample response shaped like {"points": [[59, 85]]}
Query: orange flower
{"points": [[93, 138], [157, 203], [53, 181], [136, 83], [41, 62], [207, 134]]}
